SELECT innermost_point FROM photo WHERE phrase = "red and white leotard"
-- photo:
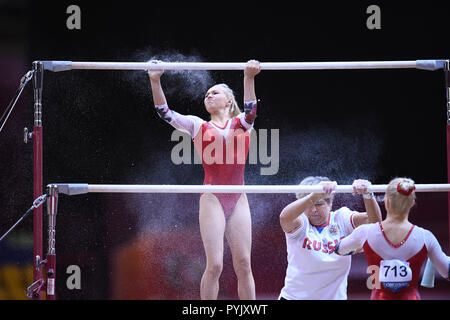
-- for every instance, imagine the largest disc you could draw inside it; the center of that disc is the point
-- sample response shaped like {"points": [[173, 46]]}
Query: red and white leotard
{"points": [[222, 150], [399, 264]]}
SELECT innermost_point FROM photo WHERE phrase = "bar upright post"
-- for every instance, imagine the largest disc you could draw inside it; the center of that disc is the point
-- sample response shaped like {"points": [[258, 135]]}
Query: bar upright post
{"points": [[52, 209], [447, 95], [37, 172]]}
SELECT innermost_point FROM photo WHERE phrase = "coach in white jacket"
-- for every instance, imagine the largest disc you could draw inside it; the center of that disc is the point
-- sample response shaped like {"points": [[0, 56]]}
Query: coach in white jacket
{"points": [[312, 232]]}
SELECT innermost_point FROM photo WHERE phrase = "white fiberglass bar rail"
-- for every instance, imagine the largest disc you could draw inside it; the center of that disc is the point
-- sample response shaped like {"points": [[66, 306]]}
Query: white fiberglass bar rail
{"points": [[409, 64], [80, 188]]}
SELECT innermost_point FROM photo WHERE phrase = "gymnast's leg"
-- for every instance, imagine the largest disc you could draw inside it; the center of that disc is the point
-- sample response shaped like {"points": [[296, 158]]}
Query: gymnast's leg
{"points": [[239, 236], [212, 228]]}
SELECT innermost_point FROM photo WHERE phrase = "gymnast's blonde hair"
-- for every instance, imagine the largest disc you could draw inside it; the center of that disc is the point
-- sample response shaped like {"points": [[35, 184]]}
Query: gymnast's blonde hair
{"points": [[234, 108], [401, 202]]}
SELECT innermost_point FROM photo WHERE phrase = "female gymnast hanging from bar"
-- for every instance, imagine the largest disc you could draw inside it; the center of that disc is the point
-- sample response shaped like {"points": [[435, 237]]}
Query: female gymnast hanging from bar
{"points": [[222, 144]]}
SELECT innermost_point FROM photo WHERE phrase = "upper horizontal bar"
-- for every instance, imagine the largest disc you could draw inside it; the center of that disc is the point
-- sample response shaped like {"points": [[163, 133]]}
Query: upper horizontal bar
{"points": [[56, 66], [79, 188]]}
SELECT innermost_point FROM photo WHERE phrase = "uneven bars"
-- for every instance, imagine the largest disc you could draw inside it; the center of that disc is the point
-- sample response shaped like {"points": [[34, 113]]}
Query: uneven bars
{"points": [[57, 66], [81, 188]]}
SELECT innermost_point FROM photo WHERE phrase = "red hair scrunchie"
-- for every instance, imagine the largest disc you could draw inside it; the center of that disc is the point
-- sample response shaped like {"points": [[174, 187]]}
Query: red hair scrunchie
{"points": [[405, 192]]}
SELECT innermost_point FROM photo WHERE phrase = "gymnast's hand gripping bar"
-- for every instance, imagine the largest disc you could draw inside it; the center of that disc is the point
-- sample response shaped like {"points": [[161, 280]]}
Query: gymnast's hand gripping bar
{"points": [[57, 66], [81, 188]]}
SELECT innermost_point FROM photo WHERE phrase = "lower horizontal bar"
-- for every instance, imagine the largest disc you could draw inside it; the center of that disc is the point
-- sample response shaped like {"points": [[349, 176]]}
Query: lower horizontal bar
{"points": [[412, 64], [78, 188]]}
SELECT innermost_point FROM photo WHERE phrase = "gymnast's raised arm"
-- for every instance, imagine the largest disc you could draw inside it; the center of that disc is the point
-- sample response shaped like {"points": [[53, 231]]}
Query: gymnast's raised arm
{"points": [[252, 68], [186, 123], [155, 80]]}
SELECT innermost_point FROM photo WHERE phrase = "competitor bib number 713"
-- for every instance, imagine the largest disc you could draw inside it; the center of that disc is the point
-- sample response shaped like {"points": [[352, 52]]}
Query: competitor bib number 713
{"points": [[395, 274]]}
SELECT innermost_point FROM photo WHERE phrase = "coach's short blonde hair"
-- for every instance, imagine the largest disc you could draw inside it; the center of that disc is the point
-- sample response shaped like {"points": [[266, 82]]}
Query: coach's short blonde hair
{"points": [[311, 181]]}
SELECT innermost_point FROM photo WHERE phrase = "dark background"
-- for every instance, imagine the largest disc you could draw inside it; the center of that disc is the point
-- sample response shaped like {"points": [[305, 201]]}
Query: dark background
{"points": [[101, 127]]}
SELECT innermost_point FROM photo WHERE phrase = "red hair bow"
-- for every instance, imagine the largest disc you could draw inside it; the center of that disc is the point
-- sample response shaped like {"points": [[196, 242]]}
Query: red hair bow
{"points": [[406, 192]]}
